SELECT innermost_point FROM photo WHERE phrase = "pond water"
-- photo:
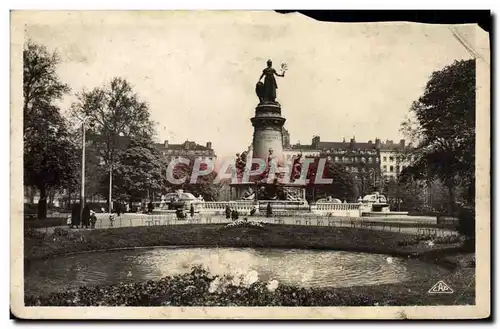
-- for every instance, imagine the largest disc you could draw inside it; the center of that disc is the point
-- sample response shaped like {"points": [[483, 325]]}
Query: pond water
{"points": [[306, 268]]}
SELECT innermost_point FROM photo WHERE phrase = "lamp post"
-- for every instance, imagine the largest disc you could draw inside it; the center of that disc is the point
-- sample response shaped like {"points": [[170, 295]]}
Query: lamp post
{"points": [[82, 191], [110, 209]]}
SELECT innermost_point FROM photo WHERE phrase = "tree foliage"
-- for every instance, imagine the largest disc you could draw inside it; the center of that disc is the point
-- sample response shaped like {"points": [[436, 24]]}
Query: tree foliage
{"points": [[204, 185], [342, 187], [113, 110], [50, 158], [115, 115], [137, 171], [444, 128]]}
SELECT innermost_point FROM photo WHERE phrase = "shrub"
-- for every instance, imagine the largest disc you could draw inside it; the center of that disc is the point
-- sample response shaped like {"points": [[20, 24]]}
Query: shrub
{"points": [[467, 222], [32, 233], [60, 232]]}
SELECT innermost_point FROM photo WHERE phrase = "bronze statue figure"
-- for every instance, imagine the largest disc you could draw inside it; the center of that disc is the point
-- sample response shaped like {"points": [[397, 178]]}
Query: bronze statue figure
{"points": [[267, 91]]}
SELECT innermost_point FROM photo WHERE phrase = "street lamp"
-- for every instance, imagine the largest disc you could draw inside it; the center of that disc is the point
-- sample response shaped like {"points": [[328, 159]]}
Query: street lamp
{"points": [[82, 192]]}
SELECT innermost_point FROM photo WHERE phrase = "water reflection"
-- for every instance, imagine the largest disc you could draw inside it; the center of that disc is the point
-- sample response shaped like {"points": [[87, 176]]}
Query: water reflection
{"points": [[307, 268]]}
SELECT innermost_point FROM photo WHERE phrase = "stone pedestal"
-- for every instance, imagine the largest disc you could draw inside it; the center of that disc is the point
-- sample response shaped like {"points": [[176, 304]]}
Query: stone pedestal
{"points": [[268, 126]]}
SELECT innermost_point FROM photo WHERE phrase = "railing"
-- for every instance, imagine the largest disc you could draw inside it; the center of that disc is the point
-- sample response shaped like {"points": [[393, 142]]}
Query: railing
{"points": [[337, 209], [241, 205], [135, 220]]}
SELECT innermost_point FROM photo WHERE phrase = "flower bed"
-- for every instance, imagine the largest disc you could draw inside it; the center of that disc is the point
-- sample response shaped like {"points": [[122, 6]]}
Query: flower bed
{"points": [[199, 288], [246, 223]]}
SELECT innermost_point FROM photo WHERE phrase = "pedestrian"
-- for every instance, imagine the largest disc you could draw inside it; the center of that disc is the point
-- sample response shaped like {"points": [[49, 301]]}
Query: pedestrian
{"points": [[75, 215], [191, 210], [86, 216], [150, 207], [118, 209], [228, 212], [234, 215], [93, 219], [253, 211], [269, 210], [111, 220], [68, 221]]}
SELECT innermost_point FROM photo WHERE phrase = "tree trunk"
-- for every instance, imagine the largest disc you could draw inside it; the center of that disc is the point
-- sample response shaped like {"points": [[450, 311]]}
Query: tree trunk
{"points": [[42, 203], [32, 195], [451, 205]]}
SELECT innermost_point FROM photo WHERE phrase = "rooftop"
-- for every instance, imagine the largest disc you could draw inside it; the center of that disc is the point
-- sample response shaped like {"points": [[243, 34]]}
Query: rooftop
{"points": [[187, 145]]}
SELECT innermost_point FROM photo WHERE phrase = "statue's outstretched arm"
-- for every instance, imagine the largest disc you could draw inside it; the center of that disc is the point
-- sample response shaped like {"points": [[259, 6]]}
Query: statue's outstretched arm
{"points": [[261, 76], [280, 75]]}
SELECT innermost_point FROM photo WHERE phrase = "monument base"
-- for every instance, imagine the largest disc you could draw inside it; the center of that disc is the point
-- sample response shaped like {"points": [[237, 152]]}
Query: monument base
{"points": [[265, 192]]}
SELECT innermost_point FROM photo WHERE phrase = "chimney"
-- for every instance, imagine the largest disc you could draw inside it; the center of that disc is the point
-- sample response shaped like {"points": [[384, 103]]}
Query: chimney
{"points": [[165, 144], [209, 145], [370, 142], [402, 143], [315, 142], [378, 143], [353, 141]]}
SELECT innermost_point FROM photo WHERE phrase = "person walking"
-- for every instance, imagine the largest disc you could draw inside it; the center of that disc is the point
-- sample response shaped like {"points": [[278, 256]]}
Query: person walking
{"points": [[118, 208], [191, 210], [269, 211], [93, 219], [234, 214], [150, 207], [228, 212], [86, 216], [75, 215]]}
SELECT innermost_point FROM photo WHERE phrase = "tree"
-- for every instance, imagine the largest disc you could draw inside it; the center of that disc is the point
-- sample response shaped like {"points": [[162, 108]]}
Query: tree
{"points": [[204, 185], [113, 111], [444, 129], [138, 171], [407, 193], [342, 187], [49, 156]]}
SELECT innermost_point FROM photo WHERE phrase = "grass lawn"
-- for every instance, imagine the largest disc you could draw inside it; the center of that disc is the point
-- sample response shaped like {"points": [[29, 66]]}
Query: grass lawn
{"points": [[270, 236], [41, 223]]}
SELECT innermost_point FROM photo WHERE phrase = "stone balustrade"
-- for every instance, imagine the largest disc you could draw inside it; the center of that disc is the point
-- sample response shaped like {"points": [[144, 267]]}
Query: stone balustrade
{"points": [[286, 207], [337, 209], [220, 206]]}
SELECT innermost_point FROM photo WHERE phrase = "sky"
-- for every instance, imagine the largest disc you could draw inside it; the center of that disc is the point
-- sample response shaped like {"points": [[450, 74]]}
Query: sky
{"points": [[198, 70]]}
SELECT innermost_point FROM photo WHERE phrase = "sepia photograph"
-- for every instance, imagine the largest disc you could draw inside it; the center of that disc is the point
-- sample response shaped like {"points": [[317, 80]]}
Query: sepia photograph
{"points": [[248, 164]]}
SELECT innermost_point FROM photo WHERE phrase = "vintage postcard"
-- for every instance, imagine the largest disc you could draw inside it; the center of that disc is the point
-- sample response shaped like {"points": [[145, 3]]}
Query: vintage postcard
{"points": [[248, 165]]}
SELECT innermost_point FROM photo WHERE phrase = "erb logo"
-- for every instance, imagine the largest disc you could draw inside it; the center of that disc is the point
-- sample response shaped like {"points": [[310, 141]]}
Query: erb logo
{"points": [[440, 288]]}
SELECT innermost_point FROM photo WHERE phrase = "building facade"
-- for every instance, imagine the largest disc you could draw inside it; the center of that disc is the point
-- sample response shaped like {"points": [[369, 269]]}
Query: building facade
{"points": [[188, 149], [357, 157], [394, 157], [383, 159]]}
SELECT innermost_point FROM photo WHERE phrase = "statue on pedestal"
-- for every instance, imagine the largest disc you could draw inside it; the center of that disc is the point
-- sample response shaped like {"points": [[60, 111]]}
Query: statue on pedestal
{"points": [[267, 91]]}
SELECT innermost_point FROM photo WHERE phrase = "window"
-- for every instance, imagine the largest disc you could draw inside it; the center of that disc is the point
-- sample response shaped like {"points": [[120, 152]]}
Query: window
{"points": [[363, 159], [391, 158], [370, 160], [336, 159], [397, 168], [354, 169], [384, 168], [391, 168], [385, 159], [377, 160]]}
